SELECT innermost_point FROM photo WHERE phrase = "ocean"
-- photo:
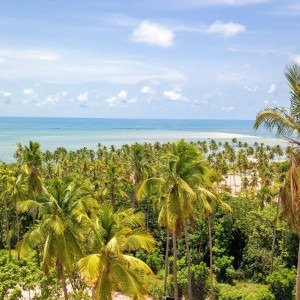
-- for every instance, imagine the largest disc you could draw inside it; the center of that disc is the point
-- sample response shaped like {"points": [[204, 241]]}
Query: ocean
{"points": [[75, 133]]}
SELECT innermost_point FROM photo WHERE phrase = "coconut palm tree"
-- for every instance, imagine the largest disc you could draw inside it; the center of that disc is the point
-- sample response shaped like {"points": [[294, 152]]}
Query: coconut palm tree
{"points": [[31, 159], [114, 183], [111, 267], [15, 191], [184, 169], [208, 201], [62, 211], [285, 123]]}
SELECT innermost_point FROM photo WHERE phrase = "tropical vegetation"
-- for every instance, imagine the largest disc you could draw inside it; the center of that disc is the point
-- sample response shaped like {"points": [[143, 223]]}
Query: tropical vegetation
{"points": [[199, 220]]}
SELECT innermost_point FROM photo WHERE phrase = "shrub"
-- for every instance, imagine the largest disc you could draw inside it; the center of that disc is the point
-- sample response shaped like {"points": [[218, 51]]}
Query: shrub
{"points": [[244, 291], [224, 269], [23, 275], [156, 288], [200, 281], [282, 283]]}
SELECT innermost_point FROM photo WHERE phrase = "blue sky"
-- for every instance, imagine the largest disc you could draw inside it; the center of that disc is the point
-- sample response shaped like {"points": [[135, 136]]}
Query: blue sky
{"points": [[198, 59]]}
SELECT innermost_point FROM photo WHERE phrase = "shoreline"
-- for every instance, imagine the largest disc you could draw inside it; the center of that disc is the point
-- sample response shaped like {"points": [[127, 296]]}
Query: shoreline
{"points": [[51, 139]]}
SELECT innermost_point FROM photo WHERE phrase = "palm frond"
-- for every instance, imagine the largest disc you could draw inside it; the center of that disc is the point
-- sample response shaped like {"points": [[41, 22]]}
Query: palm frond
{"points": [[148, 187], [90, 267], [137, 264], [140, 239], [277, 119], [292, 74]]}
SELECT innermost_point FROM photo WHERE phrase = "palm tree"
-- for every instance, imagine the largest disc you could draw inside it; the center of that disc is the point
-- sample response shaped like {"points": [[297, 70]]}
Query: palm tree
{"points": [[32, 162], [114, 183], [207, 201], [63, 210], [15, 190], [184, 170], [285, 122], [111, 268]]}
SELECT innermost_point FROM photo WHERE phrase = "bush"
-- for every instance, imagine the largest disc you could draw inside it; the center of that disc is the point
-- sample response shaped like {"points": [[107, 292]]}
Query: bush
{"points": [[244, 291], [224, 269], [282, 283], [200, 281], [156, 288], [22, 275]]}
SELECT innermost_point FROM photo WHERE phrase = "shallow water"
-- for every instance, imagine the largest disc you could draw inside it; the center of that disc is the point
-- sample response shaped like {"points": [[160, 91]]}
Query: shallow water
{"points": [[77, 133]]}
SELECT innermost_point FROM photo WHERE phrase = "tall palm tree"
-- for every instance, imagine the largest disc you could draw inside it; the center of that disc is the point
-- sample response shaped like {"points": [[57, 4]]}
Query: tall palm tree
{"points": [[208, 200], [184, 170], [31, 159], [114, 183], [111, 267], [15, 190], [285, 122], [62, 211]]}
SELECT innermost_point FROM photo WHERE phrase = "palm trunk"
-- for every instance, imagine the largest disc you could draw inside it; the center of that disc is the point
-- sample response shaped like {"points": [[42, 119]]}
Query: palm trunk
{"points": [[273, 249], [234, 181], [17, 225], [174, 239], [188, 259], [298, 272], [113, 199], [274, 237], [62, 279], [166, 262], [7, 230], [148, 213], [211, 260], [38, 258]]}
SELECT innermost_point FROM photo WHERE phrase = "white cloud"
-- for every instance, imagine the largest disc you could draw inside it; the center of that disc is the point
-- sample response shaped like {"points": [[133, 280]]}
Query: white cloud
{"points": [[64, 93], [75, 67], [123, 95], [83, 99], [2, 60], [228, 108], [226, 30], [296, 59], [52, 99], [148, 90], [272, 88], [183, 4], [232, 77], [132, 100], [251, 89], [212, 94], [111, 100], [29, 54], [174, 95], [5, 96], [237, 2], [28, 91], [153, 34], [120, 98]]}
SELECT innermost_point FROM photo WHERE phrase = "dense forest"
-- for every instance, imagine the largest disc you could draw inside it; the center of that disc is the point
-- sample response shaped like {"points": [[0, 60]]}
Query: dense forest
{"points": [[195, 219]]}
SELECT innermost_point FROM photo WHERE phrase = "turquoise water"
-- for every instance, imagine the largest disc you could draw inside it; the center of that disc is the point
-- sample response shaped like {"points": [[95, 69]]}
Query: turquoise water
{"points": [[77, 133]]}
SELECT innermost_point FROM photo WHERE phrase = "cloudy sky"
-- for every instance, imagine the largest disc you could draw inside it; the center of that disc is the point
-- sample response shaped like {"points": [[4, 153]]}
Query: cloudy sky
{"points": [[206, 59]]}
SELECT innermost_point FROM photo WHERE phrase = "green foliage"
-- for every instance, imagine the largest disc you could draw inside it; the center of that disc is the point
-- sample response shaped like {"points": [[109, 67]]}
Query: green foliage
{"points": [[156, 288], [224, 269], [200, 280], [58, 195], [244, 291], [282, 283], [17, 275]]}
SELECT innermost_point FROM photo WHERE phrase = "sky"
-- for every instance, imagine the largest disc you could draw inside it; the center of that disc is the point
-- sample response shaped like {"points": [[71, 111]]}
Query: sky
{"points": [[190, 59]]}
